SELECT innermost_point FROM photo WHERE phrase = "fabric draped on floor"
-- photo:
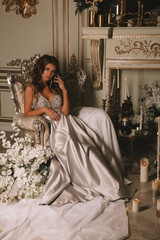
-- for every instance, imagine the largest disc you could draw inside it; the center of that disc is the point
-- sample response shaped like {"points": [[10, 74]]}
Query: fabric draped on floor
{"points": [[85, 193], [97, 219]]}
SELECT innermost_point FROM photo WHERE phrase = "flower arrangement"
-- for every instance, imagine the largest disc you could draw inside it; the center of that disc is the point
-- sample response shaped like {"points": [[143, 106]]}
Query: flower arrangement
{"points": [[24, 168], [151, 105]]}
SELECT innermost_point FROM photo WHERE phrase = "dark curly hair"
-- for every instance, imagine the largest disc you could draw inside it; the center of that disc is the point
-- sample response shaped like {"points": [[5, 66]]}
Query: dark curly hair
{"points": [[39, 68]]}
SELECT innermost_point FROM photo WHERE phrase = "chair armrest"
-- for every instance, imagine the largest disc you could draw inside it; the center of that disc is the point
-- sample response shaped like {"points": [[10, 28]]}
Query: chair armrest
{"points": [[36, 124]]}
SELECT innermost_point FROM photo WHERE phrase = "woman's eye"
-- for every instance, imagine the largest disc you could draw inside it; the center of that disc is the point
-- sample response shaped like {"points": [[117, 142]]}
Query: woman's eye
{"points": [[47, 69]]}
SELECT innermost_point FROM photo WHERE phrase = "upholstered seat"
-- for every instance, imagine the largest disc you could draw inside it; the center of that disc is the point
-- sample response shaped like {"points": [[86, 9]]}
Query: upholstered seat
{"points": [[37, 126]]}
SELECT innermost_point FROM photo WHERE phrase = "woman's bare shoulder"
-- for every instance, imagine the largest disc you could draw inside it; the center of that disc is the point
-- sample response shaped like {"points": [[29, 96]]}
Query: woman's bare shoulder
{"points": [[29, 86], [29, 91]]}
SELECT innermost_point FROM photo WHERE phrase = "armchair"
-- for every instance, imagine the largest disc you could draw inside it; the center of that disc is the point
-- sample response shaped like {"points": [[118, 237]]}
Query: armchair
{"points": [[37, 126]]}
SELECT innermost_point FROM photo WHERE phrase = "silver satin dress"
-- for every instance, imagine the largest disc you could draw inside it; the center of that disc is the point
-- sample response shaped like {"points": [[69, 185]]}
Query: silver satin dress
{"points": [[84, 166]]}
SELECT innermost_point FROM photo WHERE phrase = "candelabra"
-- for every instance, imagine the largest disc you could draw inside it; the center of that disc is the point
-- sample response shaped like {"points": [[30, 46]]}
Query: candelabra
{"points": [[104, 105], [92, 12], [110, 101], [117, 100]]}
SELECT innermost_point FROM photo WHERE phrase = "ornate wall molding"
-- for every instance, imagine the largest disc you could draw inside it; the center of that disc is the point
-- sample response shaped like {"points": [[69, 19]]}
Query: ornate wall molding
{"points": [[140, 36], [95, 33], [96, 63], [147, 48], [16, 62], [136, 33], [73, 63]]}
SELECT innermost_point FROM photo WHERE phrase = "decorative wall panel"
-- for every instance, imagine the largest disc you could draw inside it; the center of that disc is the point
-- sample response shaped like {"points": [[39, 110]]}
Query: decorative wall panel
{"points": [[67, 37], [136, 48]]}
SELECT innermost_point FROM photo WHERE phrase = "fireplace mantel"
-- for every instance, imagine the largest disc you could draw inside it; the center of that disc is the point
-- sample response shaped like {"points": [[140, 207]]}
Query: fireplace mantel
{"points": [[124, 48], [130, 44], [120, 32]]}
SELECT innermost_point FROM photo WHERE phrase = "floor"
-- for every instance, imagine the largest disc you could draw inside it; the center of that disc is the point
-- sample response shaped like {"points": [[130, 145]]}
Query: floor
{"points": [[143, 225]]}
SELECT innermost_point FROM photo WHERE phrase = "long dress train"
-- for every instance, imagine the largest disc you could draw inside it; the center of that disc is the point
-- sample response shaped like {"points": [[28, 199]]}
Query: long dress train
{"points": [[87, 166], [84, 165]]}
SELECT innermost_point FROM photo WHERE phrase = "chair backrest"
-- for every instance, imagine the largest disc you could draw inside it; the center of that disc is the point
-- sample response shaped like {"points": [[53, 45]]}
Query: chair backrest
{"points": [[17, 83], [75, 82], [17, 93]]}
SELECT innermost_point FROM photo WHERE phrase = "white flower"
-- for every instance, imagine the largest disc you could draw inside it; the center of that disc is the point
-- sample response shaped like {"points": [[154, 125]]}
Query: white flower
{"points": [[19, 172], [23, 168], [9, 172]]}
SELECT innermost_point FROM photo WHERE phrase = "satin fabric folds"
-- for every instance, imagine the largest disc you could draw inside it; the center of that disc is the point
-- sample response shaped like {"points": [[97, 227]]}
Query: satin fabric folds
{"points": [[85, 165]]}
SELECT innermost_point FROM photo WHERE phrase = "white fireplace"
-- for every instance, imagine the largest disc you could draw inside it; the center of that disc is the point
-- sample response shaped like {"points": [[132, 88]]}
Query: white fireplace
{"points": [[135, 51]]}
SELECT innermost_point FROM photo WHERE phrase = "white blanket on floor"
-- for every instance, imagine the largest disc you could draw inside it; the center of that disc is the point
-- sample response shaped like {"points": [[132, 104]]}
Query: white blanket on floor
{"points": [[98, 219]]}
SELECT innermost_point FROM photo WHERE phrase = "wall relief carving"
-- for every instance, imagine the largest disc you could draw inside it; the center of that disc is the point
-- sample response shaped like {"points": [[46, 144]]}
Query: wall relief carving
{"points": [[147, 48], [16, 62], [95, 51]]}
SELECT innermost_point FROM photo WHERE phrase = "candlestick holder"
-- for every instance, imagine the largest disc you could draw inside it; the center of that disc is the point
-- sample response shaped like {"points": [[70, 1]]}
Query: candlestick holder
{"points": [[92, 12], [138, 132], [118, 100], [158, 208], [111, 106], [127, 108], [110, 101], [104, 105]]}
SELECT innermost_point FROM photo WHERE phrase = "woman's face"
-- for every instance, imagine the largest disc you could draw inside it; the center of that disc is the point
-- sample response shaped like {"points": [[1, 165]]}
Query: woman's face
{"points": [[49, 72]]}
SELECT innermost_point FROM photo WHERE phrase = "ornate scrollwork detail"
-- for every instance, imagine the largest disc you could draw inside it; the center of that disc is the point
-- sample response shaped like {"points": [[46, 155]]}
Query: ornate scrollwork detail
{"points": [[96, 64], [27, 67], [73, 64], [16, 62], [96, 75], [148, 48]]}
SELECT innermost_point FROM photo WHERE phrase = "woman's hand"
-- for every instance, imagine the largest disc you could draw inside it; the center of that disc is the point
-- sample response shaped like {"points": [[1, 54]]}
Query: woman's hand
{"points": [[52, 114], [60, 83]]}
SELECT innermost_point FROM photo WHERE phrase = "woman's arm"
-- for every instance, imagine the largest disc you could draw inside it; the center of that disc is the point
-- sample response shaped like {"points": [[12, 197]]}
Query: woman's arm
{"points": [[65, 107], [28, 111]]}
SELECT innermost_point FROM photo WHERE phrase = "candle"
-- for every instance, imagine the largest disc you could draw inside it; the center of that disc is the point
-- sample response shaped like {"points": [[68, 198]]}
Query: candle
{"points": [[140, 126], [158, 208], [117, 77], [104, 73], [144, 164], [128, 91], [117, 9], [125, 89], [104, 86], [135, 205], [141, 9], [155, 187], [114, 78], [109, 17]]}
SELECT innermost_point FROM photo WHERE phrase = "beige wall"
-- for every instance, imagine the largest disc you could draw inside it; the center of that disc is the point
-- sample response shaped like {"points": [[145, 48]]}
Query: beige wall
{"points": [[22, 38], [53, 30]]}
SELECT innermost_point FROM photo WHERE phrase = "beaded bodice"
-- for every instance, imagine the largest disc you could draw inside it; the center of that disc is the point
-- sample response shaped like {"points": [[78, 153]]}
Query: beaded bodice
{"points": [[56, 103]]}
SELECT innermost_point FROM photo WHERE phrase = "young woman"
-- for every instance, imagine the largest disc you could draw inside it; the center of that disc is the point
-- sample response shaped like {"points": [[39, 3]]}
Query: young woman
{"points": [[84, 166]]}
